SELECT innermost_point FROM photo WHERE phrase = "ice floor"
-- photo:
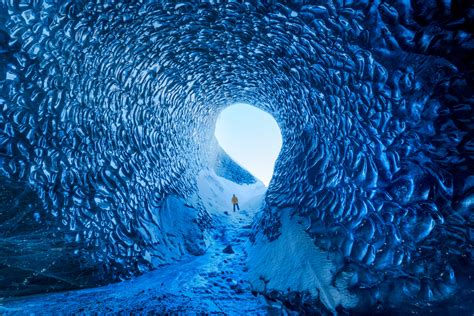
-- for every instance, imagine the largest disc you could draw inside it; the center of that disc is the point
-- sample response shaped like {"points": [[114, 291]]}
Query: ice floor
{"points": [[214, 283]]}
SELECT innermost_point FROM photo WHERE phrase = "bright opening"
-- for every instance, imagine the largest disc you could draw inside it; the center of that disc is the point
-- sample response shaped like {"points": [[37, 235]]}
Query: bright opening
{"points": [[251, 137]]}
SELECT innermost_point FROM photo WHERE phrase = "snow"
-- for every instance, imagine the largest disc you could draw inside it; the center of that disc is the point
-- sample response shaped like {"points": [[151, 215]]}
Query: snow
{"points": [[216, 193], [292, 262], [210, 283]]}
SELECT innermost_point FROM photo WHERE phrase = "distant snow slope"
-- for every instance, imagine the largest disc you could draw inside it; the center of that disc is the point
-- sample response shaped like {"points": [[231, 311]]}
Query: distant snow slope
{"points": [[216, 193], [226, 167]]}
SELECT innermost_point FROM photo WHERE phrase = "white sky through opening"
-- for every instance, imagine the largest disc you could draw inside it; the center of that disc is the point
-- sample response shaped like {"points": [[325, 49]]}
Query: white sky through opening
{"points": [[251, 137]]}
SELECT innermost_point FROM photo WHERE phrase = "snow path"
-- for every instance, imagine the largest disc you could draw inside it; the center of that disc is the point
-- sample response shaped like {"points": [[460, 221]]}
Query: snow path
{"points": [[212, 284]]}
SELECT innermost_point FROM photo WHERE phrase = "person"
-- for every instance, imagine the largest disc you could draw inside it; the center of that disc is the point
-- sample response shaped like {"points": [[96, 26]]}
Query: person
{"points": [[235, 202]]}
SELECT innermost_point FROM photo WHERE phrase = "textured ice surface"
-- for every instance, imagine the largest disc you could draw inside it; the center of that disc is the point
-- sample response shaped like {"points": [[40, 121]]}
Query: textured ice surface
{"points": [[107, 109], [292, 263]]}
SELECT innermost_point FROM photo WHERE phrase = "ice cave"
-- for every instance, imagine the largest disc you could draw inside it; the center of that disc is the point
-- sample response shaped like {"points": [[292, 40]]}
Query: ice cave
{"points": [[115, 196]]}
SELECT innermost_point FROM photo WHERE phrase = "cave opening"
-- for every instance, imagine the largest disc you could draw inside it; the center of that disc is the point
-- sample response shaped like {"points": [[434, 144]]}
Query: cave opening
{"points": [[251, 137]]}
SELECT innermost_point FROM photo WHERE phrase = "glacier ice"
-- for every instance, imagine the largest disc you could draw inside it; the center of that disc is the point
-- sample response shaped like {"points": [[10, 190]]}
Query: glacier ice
{"points": [[107, 108]]}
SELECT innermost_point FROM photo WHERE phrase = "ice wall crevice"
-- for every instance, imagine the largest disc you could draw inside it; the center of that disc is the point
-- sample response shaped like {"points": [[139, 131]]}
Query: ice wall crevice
{"points": [[107, 108]]}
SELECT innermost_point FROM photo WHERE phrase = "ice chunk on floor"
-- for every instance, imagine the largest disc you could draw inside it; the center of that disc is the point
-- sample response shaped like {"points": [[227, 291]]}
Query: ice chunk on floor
{"points": [[292, 262]]}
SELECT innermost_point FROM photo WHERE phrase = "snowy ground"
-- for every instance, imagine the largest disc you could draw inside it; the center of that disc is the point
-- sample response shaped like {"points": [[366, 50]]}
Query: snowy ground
{"points": [[294, 254], [212, 284]]}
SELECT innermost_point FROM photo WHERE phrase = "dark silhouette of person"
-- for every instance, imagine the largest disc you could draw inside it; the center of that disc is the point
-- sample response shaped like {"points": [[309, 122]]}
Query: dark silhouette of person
{"points": [[235, 202]]}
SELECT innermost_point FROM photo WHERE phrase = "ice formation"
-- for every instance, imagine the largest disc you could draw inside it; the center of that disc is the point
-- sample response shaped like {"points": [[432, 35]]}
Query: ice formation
{"points": [[106, 118]]}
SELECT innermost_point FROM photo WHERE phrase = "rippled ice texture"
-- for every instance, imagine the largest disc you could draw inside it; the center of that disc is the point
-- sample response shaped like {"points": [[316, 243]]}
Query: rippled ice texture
{"points": [[108, 108]]}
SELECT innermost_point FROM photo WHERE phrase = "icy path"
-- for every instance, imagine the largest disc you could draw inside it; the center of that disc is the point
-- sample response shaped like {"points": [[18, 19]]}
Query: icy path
{"points": [[213, 283]]}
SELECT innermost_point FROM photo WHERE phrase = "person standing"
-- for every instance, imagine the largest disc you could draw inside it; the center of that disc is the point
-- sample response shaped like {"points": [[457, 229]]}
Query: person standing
{"points": [[235, 202]]}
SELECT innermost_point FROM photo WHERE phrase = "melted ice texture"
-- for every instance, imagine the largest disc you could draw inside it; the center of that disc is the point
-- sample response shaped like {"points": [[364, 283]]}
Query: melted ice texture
{"points": [[107, 109]]}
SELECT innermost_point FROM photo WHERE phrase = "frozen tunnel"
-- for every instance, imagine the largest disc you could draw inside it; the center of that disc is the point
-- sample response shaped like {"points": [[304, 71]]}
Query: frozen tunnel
{"points": [[107, 115]]}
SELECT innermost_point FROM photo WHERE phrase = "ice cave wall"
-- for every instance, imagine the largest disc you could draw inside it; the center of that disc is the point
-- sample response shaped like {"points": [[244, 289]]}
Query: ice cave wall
{"points": [[108, 108]]}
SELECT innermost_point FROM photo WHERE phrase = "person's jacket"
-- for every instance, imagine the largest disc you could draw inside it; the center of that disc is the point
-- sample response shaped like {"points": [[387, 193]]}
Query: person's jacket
{"points": [[235, 200]]}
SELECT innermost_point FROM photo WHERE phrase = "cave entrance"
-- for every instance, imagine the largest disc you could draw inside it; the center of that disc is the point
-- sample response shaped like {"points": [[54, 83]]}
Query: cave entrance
{"points": [[251, 137]]}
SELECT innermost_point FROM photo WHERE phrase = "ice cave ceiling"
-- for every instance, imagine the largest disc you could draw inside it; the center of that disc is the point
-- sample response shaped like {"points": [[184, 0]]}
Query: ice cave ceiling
{"points": [[108, 107]]}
